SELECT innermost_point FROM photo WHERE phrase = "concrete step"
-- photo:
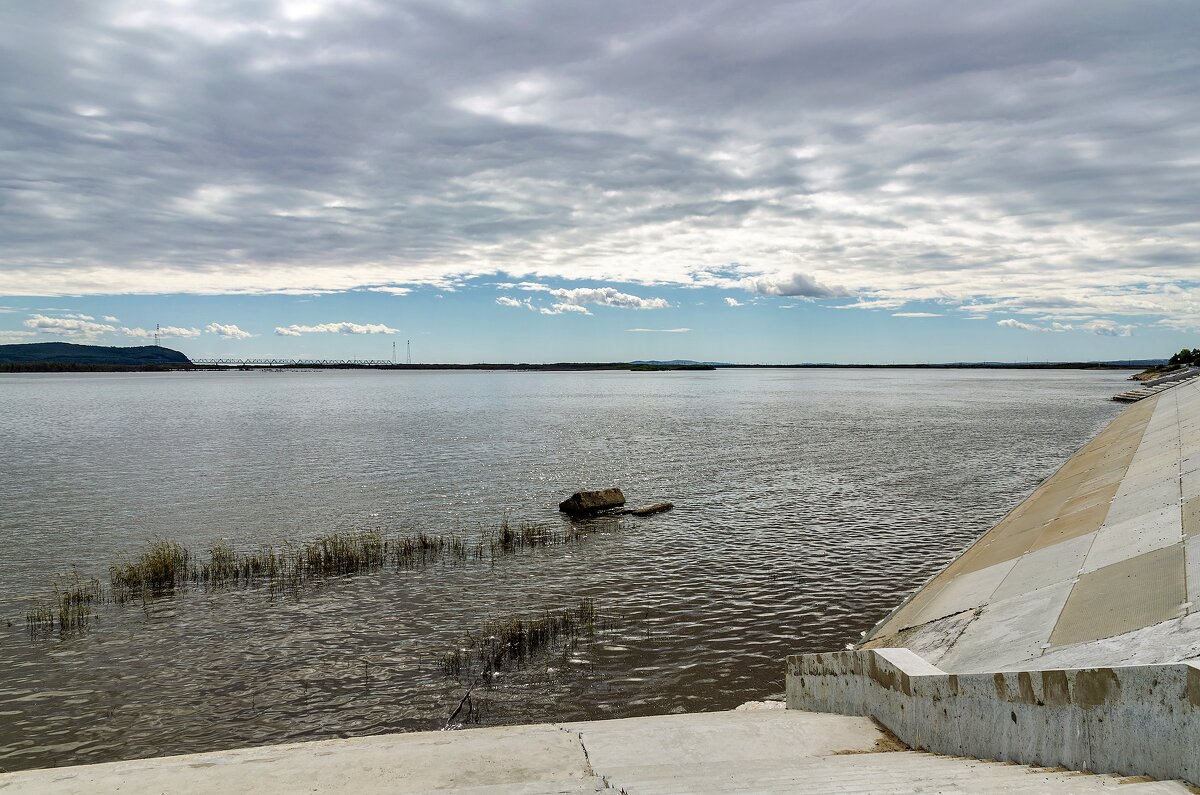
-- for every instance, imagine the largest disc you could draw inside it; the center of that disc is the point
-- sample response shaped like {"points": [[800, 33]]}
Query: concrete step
{"points": [[882, 773]]}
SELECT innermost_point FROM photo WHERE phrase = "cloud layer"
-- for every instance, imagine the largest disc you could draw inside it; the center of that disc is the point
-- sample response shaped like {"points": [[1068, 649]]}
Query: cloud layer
{"points": [[344, 327], [982, 155]]}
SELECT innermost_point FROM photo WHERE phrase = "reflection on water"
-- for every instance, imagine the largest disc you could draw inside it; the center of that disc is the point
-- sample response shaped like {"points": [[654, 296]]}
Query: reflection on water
{"points": [[808, 503]]}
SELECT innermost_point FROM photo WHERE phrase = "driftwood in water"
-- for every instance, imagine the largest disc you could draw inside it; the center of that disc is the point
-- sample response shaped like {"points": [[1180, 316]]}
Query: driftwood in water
{"points": [[657, 507]]}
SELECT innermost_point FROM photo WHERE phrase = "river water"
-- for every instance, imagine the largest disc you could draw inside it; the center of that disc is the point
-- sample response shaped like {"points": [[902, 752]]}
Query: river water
{"points": [[809, 502]]}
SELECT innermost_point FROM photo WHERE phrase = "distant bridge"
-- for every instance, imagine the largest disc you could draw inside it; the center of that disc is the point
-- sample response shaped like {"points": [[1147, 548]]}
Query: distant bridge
{"points": [[291, 362]]}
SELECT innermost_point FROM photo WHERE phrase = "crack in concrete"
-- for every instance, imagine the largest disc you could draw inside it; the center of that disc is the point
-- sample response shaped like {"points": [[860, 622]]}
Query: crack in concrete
{"points": [[587, 759]]}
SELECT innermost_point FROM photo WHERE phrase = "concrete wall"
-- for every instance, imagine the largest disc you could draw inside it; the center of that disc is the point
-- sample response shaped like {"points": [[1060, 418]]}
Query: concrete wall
{"points": [[1140, 720]]}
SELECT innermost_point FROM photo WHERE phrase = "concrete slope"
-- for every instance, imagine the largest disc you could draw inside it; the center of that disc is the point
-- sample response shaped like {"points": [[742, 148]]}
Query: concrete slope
{"points": [[1100, 566], [760, 751]]}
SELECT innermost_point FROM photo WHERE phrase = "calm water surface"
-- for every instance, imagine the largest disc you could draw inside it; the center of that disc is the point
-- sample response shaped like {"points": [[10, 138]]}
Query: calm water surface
{"points": [[808, 503]]}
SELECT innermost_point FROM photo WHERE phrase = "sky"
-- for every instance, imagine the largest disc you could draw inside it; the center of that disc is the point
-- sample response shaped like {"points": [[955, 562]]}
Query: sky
{"points": [[538, 181]]}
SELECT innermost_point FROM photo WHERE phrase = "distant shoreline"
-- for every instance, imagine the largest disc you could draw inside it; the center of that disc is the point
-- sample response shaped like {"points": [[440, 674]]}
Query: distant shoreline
{"points": [[71, 367]]}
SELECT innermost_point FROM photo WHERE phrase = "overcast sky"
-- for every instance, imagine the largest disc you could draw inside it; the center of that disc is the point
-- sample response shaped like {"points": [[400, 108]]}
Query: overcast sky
{"points": [[743, 181]]}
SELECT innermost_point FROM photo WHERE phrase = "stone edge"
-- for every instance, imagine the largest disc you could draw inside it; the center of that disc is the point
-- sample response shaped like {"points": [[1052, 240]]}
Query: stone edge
{"points": [[1131, 720]]}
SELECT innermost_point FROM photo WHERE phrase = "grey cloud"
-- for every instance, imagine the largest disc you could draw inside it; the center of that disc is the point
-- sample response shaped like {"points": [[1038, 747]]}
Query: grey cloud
{"points": [[994, 151], [796, 285]]}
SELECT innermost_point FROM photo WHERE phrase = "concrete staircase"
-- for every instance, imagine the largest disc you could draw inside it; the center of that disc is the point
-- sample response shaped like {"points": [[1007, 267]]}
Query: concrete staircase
{"points": [[1154, 387], [873, 773], [763, 750]]}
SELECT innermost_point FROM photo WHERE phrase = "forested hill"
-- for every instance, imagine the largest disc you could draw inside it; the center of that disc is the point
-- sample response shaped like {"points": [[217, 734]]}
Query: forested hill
{"points": [[70, 353]]}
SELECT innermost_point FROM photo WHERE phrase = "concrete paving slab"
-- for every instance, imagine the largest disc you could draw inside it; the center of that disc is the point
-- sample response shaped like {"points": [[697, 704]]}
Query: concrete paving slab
{"points": [[1191, 517], [716, 737], [1144, 501], [518, 756], [1191, 554], [966, 591], [1122, 597], [1071, 526], [1189, 485], [1133, 537], [1045, 567], [1008, 631]]}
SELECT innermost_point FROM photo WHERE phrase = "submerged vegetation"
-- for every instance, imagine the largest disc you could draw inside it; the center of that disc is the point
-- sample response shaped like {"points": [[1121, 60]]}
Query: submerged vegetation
{"points": [[168, 567], [514, 639], [69, 607]]}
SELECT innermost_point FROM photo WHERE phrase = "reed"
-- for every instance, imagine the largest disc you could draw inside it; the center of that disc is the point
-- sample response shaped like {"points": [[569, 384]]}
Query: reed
{"points": [[166, 567], [517, 640], [158, 570], [69, 608]]}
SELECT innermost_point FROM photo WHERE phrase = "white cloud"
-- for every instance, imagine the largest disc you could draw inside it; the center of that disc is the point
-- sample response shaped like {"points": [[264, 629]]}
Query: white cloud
{"points": [[733, 302], [574, 300], [659, 330], [227, 331], [163, 332], [1107, 328], [296, 330], [12, 337], [68, 327], [600, 296], [559, 309], [1017, 324], [111, 319], [916, 314], [391, 290]]}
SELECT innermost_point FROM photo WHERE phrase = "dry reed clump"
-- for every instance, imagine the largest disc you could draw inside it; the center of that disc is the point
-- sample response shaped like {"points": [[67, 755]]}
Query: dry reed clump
{"points": [[157, 570], [508, 640], [166, 567], [69, 608]]}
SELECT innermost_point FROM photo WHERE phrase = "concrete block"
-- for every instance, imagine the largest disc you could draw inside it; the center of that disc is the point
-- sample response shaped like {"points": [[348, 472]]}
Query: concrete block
{"points": [[1008, 632], [965, 591], [1046, 566], [1132, 537], [1082, 719], [1125, 596], [1145, 500]]}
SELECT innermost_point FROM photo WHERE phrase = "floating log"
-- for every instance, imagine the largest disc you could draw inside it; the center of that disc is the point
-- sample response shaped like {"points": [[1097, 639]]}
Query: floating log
{"points": [[657, 507]]}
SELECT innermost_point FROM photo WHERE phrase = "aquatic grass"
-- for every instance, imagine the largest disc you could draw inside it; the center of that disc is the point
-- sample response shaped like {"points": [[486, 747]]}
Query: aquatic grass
{"points": [[517, 640], [165, 568], [157, 570], [69, 608]]}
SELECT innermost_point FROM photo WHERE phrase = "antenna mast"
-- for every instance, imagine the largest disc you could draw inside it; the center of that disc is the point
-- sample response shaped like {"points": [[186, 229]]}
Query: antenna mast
{"points": [[408, 345], [155, 335], [393, 351]]}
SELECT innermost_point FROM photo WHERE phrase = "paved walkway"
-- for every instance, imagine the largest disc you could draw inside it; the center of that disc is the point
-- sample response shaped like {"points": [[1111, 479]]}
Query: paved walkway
{"points": [[760, 751], [1100, 566]]}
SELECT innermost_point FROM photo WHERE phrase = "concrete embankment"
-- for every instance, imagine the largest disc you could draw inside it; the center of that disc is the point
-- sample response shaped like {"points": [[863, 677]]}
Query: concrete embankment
{"points": [[1067, 634]]}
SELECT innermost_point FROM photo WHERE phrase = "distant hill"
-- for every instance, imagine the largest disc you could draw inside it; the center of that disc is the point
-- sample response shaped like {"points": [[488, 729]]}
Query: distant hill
{"points": [[70, 353]]}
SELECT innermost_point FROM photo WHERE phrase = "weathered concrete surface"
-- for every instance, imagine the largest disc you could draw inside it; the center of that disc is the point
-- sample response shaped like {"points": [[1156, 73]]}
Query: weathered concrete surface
{"points": [[582, 503], [1091, 570], [1132, 721], [751, 751]]}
